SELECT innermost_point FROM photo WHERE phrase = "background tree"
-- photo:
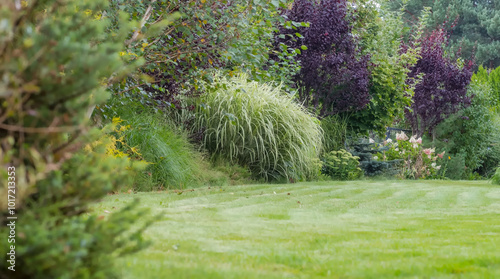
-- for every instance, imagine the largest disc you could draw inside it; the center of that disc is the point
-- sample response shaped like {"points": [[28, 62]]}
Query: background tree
{"points": [[441, 85], [492, 79], [473, 27], [231, 36], [333, 77], [382, 38]]}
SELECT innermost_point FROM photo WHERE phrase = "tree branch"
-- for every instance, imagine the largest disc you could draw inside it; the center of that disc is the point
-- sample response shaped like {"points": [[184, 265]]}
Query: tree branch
{"points": [[145, 18]]}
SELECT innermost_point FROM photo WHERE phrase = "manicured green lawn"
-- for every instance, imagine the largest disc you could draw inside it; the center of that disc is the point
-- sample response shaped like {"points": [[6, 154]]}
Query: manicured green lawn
{"points": [[361, 229]]}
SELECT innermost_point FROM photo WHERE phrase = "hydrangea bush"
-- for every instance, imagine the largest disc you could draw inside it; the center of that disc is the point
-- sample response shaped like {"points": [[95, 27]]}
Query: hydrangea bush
{"points": [[417, 161]]}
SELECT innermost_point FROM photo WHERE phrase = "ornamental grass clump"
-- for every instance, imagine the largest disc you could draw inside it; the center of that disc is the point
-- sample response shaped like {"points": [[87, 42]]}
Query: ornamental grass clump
{"points": [[257, 125]]}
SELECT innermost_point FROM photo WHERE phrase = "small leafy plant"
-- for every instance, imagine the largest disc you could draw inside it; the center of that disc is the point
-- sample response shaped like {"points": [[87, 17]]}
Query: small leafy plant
{"points": [[341, 165]]}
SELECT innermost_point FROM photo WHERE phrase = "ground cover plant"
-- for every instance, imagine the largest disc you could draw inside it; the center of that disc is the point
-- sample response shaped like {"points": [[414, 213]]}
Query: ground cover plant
{"points": [[356, 229]]}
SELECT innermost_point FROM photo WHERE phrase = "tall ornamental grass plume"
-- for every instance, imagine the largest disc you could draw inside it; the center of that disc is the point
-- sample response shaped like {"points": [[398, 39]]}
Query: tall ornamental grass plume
{"points": [[257, 125]]}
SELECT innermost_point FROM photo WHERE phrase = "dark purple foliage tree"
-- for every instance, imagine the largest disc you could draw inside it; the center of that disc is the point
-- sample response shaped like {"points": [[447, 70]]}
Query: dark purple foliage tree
{"points": [[334, 76], [442, 89]]}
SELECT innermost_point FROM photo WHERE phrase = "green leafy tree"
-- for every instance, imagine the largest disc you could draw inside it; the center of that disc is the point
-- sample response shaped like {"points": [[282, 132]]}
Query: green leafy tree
{"points": [[232, 36], [492, 80], [389, 68]]}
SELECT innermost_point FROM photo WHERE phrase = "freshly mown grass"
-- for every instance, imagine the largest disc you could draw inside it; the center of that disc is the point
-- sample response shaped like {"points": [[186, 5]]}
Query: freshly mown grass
{"points": [[360, 229]]}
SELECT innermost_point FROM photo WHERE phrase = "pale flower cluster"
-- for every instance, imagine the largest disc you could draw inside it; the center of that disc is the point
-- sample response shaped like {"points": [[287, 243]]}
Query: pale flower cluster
{"points": [[401, 136], [436, 167], [415, 141]]}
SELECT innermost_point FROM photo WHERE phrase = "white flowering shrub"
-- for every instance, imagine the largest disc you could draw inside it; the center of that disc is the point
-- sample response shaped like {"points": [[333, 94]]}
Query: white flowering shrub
{"points": [[417, 161]]}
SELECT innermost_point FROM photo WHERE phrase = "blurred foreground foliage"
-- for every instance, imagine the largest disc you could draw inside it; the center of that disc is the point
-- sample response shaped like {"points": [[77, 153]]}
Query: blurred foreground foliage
{"points": [[55, 63]]}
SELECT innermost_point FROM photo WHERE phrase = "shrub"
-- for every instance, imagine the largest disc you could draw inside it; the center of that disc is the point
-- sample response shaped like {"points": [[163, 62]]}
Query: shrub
{"points": [[496, 177], [367, 151], [389, 67], [52, 70], [417, 161], [454, 167], [333, 77], [473, 130], [441, 87], [341, 165], [256, 125], [491, 158], [208, 36], [58, 237], [334, 132], [491, 78]]}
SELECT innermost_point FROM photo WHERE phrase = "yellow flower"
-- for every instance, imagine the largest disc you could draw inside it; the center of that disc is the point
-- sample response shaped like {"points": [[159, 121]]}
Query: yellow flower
{"points": [[449, 158], [117, 120]]}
